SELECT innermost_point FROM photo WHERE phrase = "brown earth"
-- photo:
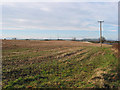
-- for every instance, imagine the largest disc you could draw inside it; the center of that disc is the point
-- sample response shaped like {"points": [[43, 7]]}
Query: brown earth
{"points": [[12, 44]]}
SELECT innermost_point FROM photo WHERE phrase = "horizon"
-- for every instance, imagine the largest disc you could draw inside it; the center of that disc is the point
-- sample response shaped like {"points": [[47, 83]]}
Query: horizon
{"points": [[10, 38]]}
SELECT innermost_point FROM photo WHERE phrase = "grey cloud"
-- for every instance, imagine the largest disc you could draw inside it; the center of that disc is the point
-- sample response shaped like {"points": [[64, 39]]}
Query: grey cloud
{"points": [[61, 15]]}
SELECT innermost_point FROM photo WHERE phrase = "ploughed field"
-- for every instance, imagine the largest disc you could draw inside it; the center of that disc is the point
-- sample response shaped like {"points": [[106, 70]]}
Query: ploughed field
{"points": [[53, 64]]}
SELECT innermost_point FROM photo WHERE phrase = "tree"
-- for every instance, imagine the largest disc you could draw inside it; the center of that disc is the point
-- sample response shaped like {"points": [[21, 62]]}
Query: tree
{"points": [[74, 39], [26, 39], [14, 38], [103, 39], [4, 38]]}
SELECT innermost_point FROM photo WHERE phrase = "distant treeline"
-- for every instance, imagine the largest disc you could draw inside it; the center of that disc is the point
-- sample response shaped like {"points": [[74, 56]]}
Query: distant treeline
{"points": [[105, 41], [73, 39]]}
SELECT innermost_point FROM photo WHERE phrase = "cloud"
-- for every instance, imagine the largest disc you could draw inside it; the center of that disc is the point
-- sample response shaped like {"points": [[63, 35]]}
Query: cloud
{"points": [[81, 16], [90, 28], [60, 1], [13, 28], [59, 14], [113, 30], [20, 20], [45, 9]]}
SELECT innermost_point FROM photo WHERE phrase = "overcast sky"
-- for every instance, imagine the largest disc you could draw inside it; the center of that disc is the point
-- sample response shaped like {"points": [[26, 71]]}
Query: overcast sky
{"points": [[59, 19]]}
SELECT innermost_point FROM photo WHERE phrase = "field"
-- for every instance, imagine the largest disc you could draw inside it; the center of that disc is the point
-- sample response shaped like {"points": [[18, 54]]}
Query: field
{"points": [[58, 64]]}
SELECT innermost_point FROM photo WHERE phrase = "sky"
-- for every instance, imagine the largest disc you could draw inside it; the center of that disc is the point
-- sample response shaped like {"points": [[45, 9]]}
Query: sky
{"points": [[65, 20]]}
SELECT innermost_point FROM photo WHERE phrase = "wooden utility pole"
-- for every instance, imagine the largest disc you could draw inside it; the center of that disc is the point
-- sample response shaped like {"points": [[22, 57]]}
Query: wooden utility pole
{"points": [[101, 31]]}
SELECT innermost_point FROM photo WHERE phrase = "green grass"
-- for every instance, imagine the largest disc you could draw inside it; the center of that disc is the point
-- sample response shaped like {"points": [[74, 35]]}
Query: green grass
{"points": [[69, 71]]}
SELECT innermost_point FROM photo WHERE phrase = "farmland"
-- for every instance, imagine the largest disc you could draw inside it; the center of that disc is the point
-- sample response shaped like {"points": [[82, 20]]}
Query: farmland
{"points": [[57, 64]]}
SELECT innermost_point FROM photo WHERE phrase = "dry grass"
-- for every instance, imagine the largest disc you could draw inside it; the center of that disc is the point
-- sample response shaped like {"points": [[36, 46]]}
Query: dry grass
{"points": [[12, 44]]}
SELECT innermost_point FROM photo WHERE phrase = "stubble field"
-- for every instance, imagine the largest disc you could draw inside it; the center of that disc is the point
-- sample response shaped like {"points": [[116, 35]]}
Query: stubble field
{"points": [[54, 64]]}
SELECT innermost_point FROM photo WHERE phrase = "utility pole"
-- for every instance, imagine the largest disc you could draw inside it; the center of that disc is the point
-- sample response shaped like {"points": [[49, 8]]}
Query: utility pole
{"points": [[101, 31]]}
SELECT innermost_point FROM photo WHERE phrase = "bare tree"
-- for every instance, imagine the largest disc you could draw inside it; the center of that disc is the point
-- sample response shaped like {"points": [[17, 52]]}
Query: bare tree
{"points": [[102, 39], [74, 39]]}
